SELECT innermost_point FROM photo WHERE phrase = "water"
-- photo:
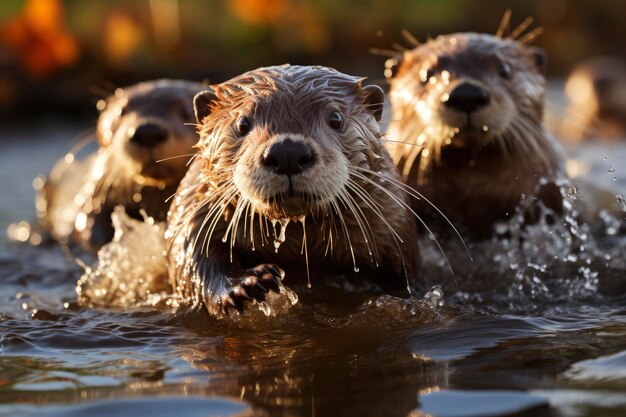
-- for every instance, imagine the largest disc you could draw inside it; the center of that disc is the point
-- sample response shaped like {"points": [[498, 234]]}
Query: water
{"points": [[536, 329]]}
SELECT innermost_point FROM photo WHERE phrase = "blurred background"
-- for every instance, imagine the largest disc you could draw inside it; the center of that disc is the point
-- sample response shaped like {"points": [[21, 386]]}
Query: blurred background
{"points": [[57, 58]]}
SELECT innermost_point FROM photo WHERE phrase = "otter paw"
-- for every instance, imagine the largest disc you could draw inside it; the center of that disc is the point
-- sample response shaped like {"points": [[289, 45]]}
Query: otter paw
{"points": [[252, 286]]}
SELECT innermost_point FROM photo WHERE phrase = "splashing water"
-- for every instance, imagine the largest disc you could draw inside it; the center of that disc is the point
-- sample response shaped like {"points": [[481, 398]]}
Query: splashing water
{"points": [[571, 191], [131, 270], [527, 267]]}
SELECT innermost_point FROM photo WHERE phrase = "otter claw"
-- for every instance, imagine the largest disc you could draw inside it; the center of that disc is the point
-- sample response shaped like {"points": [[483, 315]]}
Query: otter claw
{"points": [[271, 283], [261, 287], [253, 286], [228, 302], [240, 292]]}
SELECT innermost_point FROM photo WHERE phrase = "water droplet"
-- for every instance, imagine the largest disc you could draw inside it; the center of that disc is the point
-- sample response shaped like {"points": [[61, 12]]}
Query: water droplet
{"points": [[621, 202], [571, 191], [280, 238], [434, 297], [611, 170]]}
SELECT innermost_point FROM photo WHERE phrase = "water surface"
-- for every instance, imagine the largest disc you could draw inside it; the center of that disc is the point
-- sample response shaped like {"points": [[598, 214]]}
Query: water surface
{"points": [[538, 331]]}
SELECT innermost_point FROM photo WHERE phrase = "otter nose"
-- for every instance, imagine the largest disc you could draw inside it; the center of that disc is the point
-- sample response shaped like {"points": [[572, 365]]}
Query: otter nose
{"points": [[148, 135], [467, 98], [287, 157]]}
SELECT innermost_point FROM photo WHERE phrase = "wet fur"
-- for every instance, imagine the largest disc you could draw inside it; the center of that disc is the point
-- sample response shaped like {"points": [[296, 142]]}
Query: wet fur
{"points": [[220, 230], [118, 174], [475, 178]]}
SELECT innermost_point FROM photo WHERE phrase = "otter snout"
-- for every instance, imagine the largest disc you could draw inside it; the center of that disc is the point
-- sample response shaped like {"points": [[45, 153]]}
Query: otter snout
{"points": [[287, 157], [467, 98], [148, 135]]}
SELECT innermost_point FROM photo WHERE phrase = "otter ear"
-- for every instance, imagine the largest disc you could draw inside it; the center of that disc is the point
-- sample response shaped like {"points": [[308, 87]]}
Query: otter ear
{"points": [[391, 66], [374, 100], [541, 59], [202, 104]]}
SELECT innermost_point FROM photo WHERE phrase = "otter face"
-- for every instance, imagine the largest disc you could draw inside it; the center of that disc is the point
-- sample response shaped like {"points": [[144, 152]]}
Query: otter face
{"points": [[468, 89], [286, 136], [148, 123]]}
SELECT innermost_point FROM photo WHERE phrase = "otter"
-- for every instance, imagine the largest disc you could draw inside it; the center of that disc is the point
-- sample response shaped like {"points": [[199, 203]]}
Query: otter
{"points": [[596, 94], [145, 136], [291, 179], [466, 129]]}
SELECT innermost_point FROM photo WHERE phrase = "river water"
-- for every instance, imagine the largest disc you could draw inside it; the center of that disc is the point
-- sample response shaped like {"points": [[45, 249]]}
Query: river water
{"points": [[536, 329]]}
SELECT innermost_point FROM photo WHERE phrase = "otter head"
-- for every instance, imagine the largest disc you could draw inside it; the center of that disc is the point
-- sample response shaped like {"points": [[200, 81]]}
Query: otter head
{"points": [[468, 89], [147, 127], [283, 138]]}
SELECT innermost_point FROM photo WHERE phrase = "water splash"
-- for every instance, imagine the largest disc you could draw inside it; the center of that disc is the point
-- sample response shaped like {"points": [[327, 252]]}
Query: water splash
{"points": [[434, 297], [131, 270], [571, 192], [529, 267], [276, 309]]}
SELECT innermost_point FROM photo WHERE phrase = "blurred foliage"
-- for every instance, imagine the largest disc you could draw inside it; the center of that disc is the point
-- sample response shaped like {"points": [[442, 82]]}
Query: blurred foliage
{"points": [[57, 55]]}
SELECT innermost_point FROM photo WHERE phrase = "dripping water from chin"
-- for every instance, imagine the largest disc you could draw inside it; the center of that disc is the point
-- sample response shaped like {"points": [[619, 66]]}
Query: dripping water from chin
{"points": [[280, 236]]}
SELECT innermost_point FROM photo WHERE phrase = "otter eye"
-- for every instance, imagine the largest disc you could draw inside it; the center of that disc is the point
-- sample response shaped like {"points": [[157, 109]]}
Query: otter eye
{"points": [[243, 126], [505, 71], [335, 120]]}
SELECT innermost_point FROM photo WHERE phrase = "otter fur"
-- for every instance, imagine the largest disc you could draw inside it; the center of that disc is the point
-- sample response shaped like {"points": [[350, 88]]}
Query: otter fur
{"points": [[145, 137], [467, 129], [291, 179]]}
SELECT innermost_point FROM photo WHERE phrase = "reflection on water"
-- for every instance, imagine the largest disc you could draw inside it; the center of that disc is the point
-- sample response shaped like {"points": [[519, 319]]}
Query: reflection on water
{"points": [[547, 329]]}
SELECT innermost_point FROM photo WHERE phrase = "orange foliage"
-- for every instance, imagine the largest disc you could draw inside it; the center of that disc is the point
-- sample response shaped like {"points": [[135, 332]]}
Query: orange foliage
{"points": [[298, 18], [122, 36], [258, 11], [38, 38]]}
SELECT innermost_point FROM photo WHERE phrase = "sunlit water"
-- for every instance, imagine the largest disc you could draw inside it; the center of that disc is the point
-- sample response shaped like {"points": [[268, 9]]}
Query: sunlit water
{"points": [[536, 325]]}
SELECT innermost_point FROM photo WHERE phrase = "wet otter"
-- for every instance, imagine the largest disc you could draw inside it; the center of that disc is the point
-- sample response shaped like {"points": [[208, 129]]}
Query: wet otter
{"points": [[138, 129], [280, 146], [596, 92], [466, 128]]}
